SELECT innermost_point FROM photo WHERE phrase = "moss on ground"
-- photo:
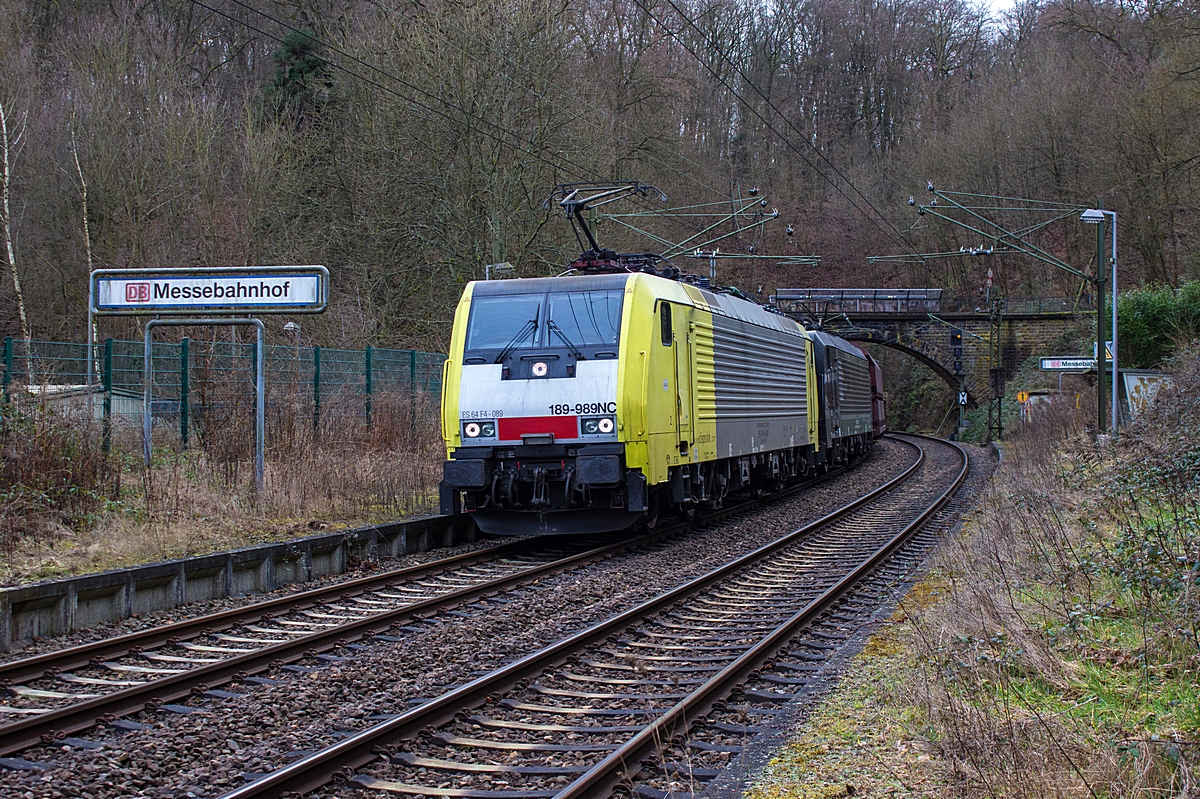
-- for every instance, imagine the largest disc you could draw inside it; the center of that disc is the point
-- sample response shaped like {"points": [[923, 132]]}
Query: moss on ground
{"points": [[864, 739]]}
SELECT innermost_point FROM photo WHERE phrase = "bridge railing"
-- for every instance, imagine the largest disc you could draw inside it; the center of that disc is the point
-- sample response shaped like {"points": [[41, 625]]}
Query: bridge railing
{"points": [[823, 301], [829, 302], [1020, 305]]}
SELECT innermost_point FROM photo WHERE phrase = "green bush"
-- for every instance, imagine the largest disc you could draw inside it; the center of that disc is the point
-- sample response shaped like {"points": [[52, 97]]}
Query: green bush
{"points": [[1154, 320]]}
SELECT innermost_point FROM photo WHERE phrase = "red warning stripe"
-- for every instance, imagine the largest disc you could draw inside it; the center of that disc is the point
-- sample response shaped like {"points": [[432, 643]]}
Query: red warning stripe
{"points": [[513, 427]]}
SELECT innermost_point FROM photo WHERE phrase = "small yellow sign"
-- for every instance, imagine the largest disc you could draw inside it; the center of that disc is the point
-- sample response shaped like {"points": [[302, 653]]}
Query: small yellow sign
{"points": [[1022, 397]]}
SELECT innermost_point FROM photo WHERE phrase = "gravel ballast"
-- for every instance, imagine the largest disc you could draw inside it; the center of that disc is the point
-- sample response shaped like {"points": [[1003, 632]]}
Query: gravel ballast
{"points": [[209, 750]]}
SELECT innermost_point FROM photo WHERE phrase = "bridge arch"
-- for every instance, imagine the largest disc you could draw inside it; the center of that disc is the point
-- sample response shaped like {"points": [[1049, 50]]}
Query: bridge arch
{"points": [[888, 339], [918, 322]]}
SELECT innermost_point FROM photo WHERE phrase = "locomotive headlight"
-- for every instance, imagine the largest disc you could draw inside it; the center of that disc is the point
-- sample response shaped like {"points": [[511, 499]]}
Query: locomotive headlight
{"points": [[479, 429], [597, 425]]}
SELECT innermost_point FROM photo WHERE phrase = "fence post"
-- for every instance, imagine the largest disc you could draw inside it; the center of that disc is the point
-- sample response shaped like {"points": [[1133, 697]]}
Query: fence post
{"points": [[412, 392], [370, 353], [184, 391], [316, 387], [108, 384], [8, 347]]}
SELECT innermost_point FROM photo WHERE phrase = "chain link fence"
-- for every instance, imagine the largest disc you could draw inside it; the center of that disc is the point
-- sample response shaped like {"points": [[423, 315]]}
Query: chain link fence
{"points": [[199, 384]]}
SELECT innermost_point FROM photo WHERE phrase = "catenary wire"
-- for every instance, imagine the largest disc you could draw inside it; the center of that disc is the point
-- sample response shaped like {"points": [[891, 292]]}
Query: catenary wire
{"points": [[890, 229], [575, 169], [581, 117], [582, 171]]}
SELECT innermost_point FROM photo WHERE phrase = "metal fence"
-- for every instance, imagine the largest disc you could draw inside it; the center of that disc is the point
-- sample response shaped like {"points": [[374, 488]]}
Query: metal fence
{"points": [[195, 380]]}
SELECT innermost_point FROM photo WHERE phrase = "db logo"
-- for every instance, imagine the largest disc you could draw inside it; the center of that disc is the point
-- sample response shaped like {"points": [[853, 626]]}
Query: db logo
{"points": [[137, 292]]}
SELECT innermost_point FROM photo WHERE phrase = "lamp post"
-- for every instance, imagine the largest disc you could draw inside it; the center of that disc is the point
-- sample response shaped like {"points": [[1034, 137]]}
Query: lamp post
{"points": [[1095, 216], [294, 327], [967, 210]]}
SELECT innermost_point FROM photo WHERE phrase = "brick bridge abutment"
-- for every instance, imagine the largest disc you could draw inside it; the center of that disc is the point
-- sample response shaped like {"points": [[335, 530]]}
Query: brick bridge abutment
{"points": [[1029, 328]]}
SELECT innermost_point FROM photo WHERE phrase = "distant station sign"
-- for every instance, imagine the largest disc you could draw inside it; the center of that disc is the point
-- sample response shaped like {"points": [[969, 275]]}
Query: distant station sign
{"points": [[1068, 364], [220, 291]]}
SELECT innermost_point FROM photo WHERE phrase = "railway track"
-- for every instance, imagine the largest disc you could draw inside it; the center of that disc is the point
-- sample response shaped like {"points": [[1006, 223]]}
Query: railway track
{"points": [[67, 691], [587, 715], [56, 695]]}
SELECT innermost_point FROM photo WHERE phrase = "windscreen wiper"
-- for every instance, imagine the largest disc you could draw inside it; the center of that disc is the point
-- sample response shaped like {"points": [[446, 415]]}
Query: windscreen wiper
{"points": [[554, 328], [525, 330]]}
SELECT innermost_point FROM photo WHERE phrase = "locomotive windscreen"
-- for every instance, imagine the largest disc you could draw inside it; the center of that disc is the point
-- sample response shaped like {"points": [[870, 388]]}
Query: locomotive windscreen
{"points": [[498, 322], [518, 321], [586, 318]]}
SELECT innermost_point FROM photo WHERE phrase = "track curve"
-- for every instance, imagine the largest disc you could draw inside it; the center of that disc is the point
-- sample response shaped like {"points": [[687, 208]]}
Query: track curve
{"points": [[628, 685]]}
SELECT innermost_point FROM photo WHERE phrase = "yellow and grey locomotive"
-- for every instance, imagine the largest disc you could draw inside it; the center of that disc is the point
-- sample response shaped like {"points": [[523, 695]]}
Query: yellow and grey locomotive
{"points": [[589, 403]]}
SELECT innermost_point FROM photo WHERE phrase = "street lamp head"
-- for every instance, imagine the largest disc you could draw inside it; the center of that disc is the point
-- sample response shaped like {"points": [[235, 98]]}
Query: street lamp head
{"points": [[1092, 216], [503, 266], [291, 327]]}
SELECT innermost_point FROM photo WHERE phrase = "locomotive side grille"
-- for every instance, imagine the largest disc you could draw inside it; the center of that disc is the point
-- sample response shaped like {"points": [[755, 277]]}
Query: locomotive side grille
{"points": [[759, 372], [854, 394], [760, 398], [706, 376]]}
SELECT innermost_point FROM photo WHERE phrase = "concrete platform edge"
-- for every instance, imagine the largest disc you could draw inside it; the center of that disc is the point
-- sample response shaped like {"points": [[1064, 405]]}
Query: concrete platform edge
{"points": [[59, 607]]}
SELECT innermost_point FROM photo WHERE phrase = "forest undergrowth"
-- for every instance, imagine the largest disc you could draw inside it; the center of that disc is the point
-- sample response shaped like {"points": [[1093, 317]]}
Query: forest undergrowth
{"points": [[68, 506], [1063, 657], [1054, 647]]}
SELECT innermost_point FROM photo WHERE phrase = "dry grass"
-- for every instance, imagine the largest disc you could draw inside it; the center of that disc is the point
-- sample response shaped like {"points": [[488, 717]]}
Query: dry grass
{"points": [[865, 739], [1063, 660], [343, 474], [1054, 650]]}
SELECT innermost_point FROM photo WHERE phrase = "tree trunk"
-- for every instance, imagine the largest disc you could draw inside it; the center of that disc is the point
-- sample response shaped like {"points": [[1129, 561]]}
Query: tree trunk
{"points": [[11, 148]]}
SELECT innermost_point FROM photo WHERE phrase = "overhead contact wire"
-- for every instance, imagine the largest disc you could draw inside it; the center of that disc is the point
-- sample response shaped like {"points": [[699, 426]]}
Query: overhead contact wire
{"points": [[571, 167], [581, 117], [580, 171], [898, 237]]}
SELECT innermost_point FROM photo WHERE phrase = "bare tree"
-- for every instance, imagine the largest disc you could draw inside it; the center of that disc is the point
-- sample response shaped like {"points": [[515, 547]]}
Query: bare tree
{"points": [[11, 144], [87, 243]]}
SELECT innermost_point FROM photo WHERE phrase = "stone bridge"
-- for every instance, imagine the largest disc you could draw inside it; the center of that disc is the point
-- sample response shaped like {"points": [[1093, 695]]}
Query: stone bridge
{"points": [[919, 322]]}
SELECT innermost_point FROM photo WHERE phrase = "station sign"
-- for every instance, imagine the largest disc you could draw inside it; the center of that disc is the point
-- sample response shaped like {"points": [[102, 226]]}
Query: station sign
{"points": [[1068, 364], [208, 291]]}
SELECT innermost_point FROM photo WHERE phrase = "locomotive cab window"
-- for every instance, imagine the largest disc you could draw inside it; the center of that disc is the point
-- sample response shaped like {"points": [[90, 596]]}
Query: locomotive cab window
{"points": [[585, 319], [664, 313], [499, 322]]}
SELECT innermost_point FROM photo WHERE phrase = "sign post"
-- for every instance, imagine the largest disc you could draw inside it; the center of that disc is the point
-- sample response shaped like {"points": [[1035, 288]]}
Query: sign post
{"points": [[209, 296]]}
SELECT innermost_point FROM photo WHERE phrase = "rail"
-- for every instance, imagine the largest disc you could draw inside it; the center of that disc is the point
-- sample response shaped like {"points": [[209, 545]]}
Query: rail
{"points": [[186, 656], [313, 771]]}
